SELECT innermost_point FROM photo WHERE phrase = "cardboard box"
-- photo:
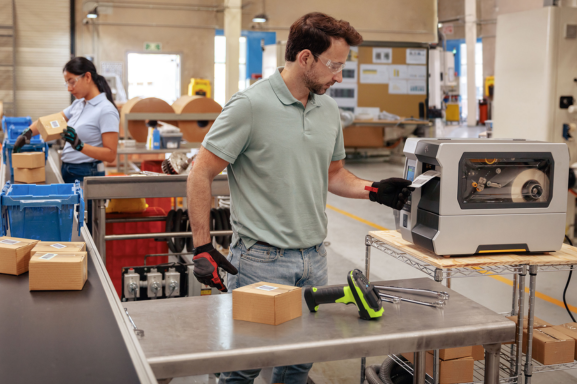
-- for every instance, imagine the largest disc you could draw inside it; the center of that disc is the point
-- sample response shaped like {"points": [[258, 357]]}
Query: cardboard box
{"points": [[30, 176], [569, 329], [550, 346], [59, 246], [51, 126], [15, 254], [58, 271], [537, 322], [267, 303], [450, 371], [478, 352], [28, 160], [454, 353]]}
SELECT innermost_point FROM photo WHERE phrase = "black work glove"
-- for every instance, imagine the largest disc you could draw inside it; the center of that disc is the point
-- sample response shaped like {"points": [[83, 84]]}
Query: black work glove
{"points": [[69, 134], [22, 140], [393, 192], [206, 262]]}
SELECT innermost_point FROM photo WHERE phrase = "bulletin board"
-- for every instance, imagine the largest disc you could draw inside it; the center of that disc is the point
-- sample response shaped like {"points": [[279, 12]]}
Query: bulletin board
{"points": [[408, 92]]}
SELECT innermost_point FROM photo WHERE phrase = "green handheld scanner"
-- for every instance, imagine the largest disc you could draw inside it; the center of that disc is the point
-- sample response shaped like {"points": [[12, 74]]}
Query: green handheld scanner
{"points": [[358, 292]]}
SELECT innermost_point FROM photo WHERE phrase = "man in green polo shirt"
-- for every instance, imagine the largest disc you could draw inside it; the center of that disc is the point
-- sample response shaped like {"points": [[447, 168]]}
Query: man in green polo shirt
{"points": [[282, 144]]}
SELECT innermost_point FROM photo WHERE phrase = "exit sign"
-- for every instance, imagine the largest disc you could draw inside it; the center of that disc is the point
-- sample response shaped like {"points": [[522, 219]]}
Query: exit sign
{"points": [[156, 47]]}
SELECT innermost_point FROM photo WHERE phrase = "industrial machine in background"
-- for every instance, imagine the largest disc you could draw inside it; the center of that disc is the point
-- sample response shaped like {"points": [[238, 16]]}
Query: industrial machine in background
{"points": [[442, 78], [537, 91], [483, 196], [115, 83], [272, 58], [199, 87]]}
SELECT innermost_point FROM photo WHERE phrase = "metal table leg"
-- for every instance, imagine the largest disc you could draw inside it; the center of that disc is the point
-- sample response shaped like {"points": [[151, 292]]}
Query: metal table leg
{"points": [[368, 244], [419, 371], [492, 356], [520, 318], [101, 242], [436, 370], [514, 304], [530, 320]]}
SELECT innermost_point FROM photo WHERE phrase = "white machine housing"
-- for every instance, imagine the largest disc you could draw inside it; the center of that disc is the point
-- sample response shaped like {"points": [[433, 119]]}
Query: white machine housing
{"points": [[448, 217]]}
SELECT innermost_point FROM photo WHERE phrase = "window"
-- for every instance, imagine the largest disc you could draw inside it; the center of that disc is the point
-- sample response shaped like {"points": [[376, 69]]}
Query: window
{"points": [[154, 75], [220, 68]]}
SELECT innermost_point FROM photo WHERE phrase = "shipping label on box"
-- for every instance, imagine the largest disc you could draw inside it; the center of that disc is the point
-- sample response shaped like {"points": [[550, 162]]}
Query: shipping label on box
{"points": [[267, 303], [30, 176], [53, 271], [51, 126], [15, 254], [569, 329], [550, 346], [28, 160], [60, 247]]}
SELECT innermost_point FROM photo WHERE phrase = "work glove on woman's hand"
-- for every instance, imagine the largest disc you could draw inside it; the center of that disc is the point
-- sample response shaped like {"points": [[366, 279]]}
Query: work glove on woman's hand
{"points": [[393, 192], [69, 134], [206, 262], [22, 140]]}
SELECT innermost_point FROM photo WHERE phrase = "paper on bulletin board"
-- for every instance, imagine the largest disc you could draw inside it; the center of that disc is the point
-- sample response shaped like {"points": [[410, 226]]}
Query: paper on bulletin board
{"points": [[345, 94], [416, 56], [417, 71], [374, 74], [383, 55], [398, 87], [398, 72], [350, 72], [417, 87]]}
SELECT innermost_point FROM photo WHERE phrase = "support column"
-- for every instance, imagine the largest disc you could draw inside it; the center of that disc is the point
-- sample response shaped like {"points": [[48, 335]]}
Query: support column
{"points": [[232, 27], [471, 41]]}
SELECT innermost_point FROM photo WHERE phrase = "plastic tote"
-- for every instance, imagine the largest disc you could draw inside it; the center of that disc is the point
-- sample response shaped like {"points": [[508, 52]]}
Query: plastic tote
{"points": [[13, 127], [41, 212]]}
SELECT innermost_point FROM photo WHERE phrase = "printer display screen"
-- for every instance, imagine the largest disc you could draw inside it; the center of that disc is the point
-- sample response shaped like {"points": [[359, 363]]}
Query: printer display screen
{"points": [[410, 173], [505, 180]]}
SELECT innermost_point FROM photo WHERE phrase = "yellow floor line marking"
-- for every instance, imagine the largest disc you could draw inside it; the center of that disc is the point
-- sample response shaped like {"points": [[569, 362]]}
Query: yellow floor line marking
{"points": [[502, 279]]}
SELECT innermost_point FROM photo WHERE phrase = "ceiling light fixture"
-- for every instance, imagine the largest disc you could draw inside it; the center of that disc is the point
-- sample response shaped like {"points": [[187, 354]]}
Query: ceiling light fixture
{"points": [[93, 14], [261, 17]]}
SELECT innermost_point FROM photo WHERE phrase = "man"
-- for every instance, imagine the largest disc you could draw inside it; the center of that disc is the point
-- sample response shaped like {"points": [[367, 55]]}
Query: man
{"points": [[282, 143]]}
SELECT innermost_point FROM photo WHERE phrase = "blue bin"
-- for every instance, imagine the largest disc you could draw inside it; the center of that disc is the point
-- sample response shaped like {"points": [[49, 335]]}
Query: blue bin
{"points": [[14, 126], [8, 147], [41, 212]]}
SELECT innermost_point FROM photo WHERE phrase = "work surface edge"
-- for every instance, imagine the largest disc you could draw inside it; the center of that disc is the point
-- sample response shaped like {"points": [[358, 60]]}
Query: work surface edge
{"points": [[566, 256]]}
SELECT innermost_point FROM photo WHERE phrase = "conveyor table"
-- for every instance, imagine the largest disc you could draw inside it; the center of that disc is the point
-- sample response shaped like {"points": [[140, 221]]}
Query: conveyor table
{"points": [[203, 337]]}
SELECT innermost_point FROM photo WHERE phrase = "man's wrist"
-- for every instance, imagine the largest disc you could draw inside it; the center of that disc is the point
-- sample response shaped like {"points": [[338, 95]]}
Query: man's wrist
{"points": [[373, 195]]}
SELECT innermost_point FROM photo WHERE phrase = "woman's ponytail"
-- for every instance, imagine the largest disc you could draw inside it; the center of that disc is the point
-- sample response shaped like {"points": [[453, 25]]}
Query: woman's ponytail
{"points": [[80, 65]]}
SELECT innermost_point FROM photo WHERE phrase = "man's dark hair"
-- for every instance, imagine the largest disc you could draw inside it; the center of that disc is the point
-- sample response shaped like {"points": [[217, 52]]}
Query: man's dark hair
{"points": [[314, 31]]}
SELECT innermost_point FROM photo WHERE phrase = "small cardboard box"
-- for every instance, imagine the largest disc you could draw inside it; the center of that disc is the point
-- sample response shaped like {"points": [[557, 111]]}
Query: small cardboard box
{"points": [[50, 127], [550, 346], [569, 329], [478, 352], [537, 322], [58, 271], [15, 254], [28, 160], [59, 247], [454, 353], [30, 176], [267, 303], [450, 371]]}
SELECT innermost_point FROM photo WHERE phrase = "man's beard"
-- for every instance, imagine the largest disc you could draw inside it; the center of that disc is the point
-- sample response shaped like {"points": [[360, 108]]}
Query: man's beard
{"points": [[312, 83]]}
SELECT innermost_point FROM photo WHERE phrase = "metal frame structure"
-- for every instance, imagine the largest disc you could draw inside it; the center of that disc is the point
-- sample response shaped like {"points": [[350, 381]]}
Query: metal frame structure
{"points": [[514, 356], [101, 189]]}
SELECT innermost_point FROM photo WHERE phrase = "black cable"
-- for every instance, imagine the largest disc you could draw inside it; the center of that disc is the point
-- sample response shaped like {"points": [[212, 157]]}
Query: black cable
{"points": [[567, 285], [169, 228], [179, 226]]}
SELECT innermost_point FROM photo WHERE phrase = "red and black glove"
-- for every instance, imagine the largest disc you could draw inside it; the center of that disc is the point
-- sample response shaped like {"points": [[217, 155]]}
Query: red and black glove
{"points": [[393, 192], [206, 262]]}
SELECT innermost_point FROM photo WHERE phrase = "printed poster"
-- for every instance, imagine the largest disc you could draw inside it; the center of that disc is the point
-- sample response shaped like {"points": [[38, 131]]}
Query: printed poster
{"points": [[374, 74]]}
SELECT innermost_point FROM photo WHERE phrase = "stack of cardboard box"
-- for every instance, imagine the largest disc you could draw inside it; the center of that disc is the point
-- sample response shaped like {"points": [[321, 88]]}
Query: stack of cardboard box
{"points": [[552, 344], [456, 365], [52, 265], [29, 167]]}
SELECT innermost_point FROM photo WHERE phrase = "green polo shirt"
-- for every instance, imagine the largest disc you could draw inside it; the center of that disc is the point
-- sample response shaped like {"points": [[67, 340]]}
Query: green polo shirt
{"points": [[279, 155]]}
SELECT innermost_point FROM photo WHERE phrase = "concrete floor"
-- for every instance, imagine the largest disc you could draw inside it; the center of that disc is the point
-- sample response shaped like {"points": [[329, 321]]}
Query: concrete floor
{"points": [[346, 251]]}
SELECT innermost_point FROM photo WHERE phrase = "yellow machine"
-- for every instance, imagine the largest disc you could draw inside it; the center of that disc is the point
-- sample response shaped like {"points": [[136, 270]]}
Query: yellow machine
{"points": [[453, 113], [199, 87]]}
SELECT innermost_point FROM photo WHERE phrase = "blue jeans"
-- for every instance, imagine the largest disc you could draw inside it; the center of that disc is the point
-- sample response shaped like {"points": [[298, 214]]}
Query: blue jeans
{"points": [[72, 172], [297, 267]]}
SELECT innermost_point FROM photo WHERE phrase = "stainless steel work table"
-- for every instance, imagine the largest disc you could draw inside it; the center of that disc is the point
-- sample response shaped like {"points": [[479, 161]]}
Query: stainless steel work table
{"points": [[67, 336], [203, 337]]}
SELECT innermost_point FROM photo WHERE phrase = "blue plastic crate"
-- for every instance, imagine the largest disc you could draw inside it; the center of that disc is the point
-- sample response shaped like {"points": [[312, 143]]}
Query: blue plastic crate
{"points": [[41, 212], [14, 126], [7, 149]]}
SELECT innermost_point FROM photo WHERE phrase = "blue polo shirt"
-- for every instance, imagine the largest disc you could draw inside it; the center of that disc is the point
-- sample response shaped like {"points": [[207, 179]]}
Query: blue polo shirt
{"points": [[279, 153], [90, 119]]}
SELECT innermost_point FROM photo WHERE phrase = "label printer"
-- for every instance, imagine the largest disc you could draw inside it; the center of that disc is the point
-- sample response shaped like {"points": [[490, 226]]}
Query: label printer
{"points": [[484, 196]]}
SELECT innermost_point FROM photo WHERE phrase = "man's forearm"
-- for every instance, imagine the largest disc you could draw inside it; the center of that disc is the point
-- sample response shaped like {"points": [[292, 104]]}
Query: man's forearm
{"points": [[199, 199], [345, 184]]}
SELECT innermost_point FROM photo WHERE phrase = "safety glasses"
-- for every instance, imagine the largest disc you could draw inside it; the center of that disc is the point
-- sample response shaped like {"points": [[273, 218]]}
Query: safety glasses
{"points": [[72, 82], [332, 66]]}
